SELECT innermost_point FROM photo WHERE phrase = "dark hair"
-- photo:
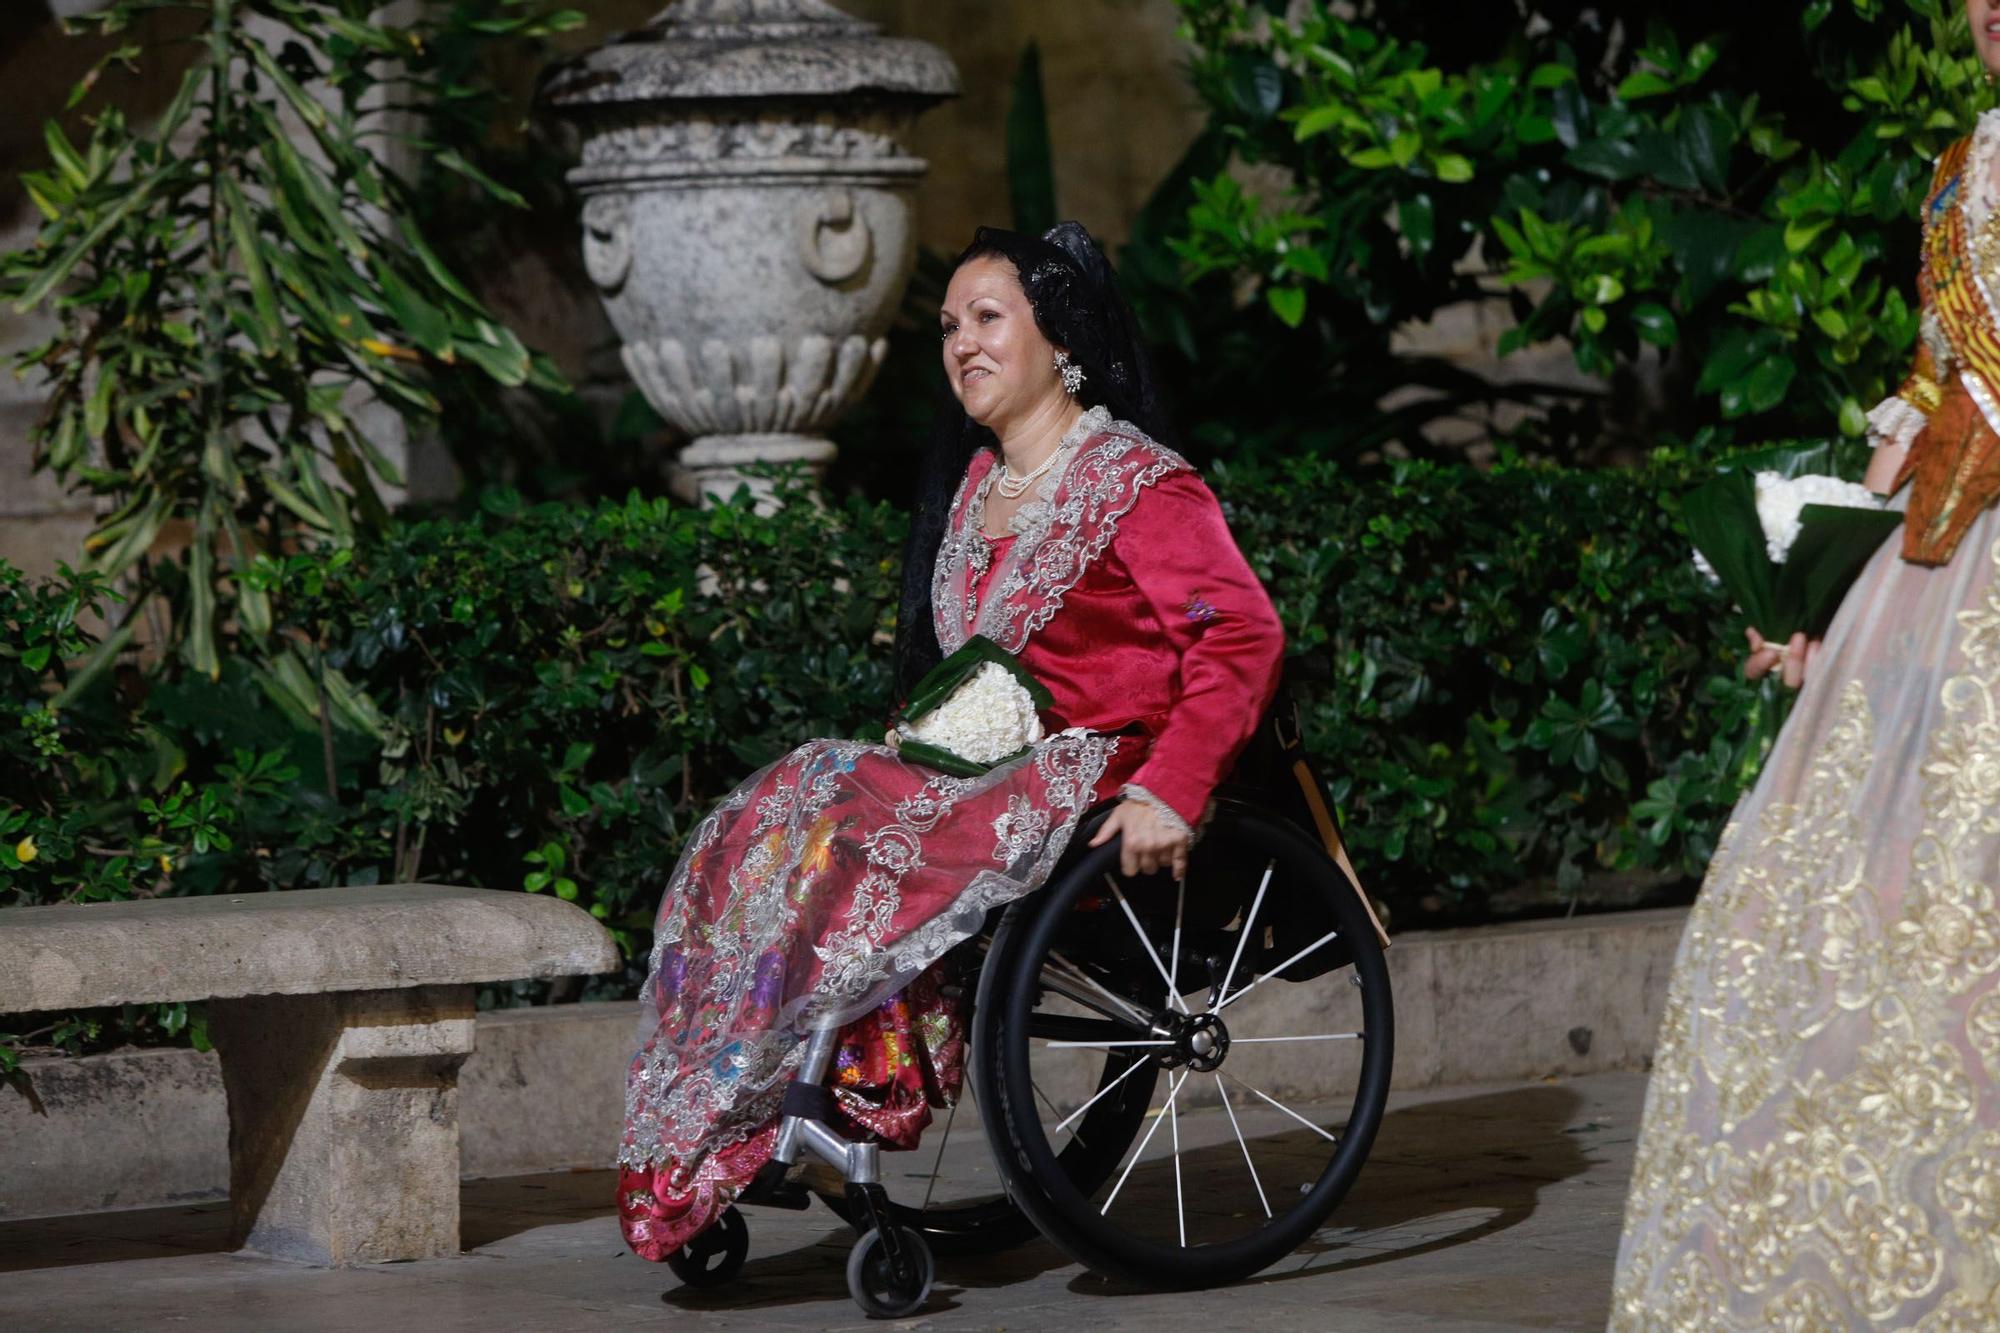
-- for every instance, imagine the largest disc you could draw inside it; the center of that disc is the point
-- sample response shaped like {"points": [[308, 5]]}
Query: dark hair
{"points": [[1075, 299]]}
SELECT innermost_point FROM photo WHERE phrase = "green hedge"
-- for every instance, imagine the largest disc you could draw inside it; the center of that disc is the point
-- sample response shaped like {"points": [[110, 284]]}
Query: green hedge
{"points": [[1529, 680], [1528, 684]]}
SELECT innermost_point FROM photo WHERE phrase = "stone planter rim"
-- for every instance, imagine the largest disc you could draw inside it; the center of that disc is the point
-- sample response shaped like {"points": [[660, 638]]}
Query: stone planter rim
{"points": [[735, 50]]}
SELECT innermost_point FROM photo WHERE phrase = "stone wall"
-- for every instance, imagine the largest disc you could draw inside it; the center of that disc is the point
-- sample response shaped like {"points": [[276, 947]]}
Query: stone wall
{"points": [[543, 1090]]}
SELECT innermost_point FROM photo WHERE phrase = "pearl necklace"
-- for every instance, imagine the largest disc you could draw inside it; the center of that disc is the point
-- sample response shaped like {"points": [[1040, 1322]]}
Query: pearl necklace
{"points": [[1014, 487]]}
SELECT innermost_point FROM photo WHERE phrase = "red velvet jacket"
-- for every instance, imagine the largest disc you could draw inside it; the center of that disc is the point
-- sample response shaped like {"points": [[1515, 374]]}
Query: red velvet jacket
{"points": [[1122, 591]]}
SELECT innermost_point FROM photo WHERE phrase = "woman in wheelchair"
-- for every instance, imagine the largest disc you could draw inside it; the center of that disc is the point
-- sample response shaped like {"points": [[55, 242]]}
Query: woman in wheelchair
{"points": [[796, 1000]]}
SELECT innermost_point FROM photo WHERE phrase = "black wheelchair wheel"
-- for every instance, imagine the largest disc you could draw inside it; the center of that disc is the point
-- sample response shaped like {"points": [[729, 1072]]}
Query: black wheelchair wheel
{"points": [[876, 1286], [715, 1256], [967, 1209], [1163, 976]]}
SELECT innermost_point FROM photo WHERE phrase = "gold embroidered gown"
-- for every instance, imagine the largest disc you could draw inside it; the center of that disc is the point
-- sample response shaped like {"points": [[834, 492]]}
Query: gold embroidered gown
{"points": [[1821, 1145]]}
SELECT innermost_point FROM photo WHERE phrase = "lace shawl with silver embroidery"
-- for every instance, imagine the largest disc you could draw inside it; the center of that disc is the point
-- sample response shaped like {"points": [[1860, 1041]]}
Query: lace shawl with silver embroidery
{"points": [[1068, 524]]}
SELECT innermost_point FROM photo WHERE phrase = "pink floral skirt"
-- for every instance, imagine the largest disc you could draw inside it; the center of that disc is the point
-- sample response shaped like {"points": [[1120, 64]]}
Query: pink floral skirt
{"points": [[822, 891], [894, 1065]]}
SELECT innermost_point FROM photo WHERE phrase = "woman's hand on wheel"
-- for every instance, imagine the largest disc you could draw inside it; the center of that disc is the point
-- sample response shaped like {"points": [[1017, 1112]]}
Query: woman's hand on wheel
{"points": [[1150, 842], [1791, 658]]}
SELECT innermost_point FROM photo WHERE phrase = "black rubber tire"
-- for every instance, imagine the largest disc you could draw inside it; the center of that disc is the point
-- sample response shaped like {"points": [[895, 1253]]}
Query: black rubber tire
{"points": [[715, 1256], [872, 1283], [1050, 1198]]}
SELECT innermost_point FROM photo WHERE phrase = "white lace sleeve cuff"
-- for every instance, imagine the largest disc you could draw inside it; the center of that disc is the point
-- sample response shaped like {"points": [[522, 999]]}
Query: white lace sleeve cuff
{"points": [[1132, 791], [1894, 421]]}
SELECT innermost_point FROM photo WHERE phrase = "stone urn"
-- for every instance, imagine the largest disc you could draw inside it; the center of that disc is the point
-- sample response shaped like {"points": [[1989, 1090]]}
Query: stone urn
{"points": [[747, 216]]}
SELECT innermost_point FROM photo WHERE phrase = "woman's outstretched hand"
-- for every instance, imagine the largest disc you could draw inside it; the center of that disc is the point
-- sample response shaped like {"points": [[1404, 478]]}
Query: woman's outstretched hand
{"points": [[1151, 843], [1791, 658]]}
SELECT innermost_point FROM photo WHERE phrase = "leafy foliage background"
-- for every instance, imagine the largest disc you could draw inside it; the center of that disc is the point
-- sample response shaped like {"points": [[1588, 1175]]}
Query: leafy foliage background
{"points": [[1528, 691], [559, 692], [1713, 204]]}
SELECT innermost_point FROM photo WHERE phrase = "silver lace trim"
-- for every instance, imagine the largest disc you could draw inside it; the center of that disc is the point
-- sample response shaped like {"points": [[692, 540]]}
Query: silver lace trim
{"points": [[1894, 422], [1072, 519], [1169, 816]]}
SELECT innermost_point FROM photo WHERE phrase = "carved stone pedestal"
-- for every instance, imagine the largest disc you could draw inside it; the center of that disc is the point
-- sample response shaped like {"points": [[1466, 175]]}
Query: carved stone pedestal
{"points": [[747, 215]]}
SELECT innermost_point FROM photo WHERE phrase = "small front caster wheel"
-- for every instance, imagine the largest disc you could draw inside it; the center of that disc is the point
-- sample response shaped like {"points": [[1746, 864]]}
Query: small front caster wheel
{"points": [[876, 1285], [716, 1255]]}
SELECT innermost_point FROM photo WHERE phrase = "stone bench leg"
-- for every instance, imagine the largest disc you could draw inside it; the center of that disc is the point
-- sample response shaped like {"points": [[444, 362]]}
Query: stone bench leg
{"points": [[343, 1122]]}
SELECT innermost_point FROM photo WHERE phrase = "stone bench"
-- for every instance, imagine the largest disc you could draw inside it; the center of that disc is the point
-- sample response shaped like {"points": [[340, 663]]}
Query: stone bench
{"points": [[341, 1017]]}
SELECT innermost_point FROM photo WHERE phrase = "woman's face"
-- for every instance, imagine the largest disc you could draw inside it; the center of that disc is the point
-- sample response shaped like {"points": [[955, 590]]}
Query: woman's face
{"points": [[999, 365], [1984, 16]]}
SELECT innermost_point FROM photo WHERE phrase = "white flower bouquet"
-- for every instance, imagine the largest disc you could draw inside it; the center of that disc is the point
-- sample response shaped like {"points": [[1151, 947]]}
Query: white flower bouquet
{"points": [[975, 710], [1786, 536]]}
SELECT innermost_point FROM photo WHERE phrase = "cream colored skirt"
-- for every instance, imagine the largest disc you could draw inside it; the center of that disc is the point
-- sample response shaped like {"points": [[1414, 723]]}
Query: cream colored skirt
{"points": [[1821, 1146]]}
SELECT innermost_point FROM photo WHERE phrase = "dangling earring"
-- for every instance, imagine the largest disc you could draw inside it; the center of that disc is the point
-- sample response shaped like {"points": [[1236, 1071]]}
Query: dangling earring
{"points": [[1072, 374]]}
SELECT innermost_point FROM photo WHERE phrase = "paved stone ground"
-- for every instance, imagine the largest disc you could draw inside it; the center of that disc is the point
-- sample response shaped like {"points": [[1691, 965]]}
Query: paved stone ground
{"points": [[1481, 1208]]}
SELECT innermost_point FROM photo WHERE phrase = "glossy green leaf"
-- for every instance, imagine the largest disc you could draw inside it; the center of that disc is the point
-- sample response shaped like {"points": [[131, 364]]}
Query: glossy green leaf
{"points": [[1287, 303]]}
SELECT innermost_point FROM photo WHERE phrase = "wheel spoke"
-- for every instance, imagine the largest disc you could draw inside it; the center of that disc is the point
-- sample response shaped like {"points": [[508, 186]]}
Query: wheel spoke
{"points": [[1174, 959], [1323, 940], [937, 1165], [1053, 1108], [1259, 1092], [1102, 1092], [1068, 1027], [1180, 1203], [1139, 1152], [1131, 1010], [1103, 1045], [1242, 936], [1317, 1036], [1173, 996], [1242, 1143], [1083, 999]]}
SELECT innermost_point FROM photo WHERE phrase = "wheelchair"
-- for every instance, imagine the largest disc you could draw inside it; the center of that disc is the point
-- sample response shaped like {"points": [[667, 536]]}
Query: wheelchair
{"points": [[1103, 1012]]}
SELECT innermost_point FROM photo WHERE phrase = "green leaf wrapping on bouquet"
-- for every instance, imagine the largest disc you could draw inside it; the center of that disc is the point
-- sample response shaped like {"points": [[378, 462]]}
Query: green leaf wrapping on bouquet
{"points": [[1833, 543], [933, 756], [942, 680], [1722, 522], [1787, 460]]}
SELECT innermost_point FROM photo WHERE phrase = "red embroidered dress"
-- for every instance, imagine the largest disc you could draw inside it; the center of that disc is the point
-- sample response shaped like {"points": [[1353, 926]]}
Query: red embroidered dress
{"points": [[828, 883]]}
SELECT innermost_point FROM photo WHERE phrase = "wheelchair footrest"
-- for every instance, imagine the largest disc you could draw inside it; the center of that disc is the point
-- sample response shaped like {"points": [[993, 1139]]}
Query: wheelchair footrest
{"points": [[769, 1189]]}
